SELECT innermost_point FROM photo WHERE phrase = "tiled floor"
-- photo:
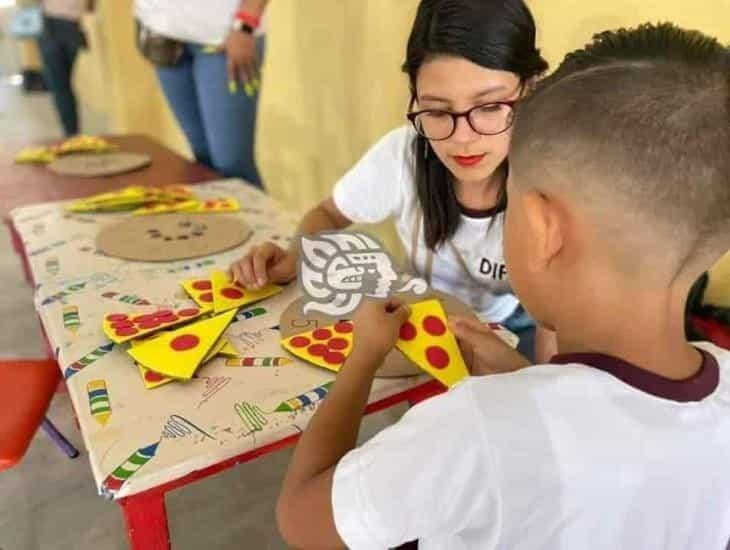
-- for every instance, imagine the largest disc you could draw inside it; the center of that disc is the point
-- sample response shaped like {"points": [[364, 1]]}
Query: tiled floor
{"points": [[49, 502]]}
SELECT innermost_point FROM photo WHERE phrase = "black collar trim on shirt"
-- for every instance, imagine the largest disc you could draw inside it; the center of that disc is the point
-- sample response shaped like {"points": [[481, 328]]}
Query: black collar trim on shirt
{"points": [[695, 388], [479, 214]]}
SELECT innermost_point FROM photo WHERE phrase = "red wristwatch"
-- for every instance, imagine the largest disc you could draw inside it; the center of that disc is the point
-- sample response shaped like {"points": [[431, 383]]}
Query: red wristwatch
{"points": [[241, 26], [249, 19]]}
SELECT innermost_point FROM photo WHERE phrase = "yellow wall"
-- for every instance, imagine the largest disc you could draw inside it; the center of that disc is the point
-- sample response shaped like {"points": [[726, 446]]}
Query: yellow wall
{"points": [[332, 83]]}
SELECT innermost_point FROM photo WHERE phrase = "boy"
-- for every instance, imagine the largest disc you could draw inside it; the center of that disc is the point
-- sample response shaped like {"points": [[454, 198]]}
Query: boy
{"points": [[619, 187]]}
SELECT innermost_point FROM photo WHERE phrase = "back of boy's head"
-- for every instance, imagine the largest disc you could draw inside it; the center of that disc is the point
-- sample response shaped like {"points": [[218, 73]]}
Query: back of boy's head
{"points": [[635, 128]]}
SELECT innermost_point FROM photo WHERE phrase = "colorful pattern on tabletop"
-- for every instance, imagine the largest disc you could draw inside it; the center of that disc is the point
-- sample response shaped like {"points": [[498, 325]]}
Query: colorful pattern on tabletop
{"points": [[308, 398], [87, 360], [258, 361], [71, 319], [128, 468], [126, 298], [99, 404], [59, 296]]}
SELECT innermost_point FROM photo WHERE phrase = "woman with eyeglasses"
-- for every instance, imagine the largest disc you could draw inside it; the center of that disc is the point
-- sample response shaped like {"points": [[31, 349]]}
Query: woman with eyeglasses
{"points": [[442, 177]]}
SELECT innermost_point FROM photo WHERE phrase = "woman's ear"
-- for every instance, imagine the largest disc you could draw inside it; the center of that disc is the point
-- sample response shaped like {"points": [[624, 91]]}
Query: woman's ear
{"points": [[529, 86]]}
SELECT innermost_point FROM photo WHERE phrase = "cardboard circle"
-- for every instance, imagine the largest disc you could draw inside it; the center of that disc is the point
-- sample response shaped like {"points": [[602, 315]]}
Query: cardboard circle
{"points": [[293, 322], [170, 237], [93, 165]]}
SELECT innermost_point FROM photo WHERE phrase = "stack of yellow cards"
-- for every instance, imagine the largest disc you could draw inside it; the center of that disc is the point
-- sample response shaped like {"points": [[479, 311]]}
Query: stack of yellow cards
{"points": [[77, 144], [177, 354], [225, 294]]}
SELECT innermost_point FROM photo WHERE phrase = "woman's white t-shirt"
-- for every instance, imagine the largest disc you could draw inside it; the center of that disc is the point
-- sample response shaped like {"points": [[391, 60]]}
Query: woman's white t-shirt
{"points": [[382, 185], [194, 21]]}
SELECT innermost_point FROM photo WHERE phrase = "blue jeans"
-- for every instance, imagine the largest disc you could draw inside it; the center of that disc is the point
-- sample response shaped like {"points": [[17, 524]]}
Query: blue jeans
{"points": [[219, 126], [59, 46], [523, 326]]}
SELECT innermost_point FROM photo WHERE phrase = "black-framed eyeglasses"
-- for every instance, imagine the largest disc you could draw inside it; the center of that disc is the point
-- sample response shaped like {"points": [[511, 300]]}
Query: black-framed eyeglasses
{"points": [[487, 119]]}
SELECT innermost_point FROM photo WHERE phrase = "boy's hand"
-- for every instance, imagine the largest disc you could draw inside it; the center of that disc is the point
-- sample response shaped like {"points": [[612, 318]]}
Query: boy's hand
{"points": [[264, 264], [377, 328], [484, 352]]}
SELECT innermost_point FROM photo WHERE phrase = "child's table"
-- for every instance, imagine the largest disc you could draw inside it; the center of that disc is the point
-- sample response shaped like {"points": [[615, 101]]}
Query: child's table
{"points": [[153, 441]]}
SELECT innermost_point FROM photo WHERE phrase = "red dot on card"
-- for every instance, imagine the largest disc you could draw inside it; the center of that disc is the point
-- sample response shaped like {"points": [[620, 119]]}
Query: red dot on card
{"points": [[434, 326], [127, 331], [190, 312], [334, 357], [299, 341], [149, 324], [407, 331], [162, 313], [168, 319], [152, 376], [232, 293], [206, 297], [122, 324], [117, 317], [337, 344], [143, 318], [438, 357], [343, 327], [318, 350], [184, 342], [210, 204], [322, 334], [202, 285]]}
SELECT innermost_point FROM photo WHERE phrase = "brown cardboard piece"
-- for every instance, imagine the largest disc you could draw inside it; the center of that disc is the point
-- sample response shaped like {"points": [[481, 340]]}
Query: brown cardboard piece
{"points": [[170, 237]]}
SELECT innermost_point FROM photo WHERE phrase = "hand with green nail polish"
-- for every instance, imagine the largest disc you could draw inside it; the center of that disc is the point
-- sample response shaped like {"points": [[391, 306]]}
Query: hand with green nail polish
{"points": [[242, 61]]}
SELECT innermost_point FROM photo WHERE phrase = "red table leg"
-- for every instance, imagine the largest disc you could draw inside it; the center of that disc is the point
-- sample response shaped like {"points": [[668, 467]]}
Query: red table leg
{"points": [[146, 520]]}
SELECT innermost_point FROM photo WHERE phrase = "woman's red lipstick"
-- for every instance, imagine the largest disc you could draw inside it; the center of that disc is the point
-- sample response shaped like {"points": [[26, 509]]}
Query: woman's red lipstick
{"points": [[470, 160]]}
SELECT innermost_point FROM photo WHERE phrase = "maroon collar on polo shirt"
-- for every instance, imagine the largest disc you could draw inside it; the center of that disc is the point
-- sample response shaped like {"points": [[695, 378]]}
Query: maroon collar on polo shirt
{"points": [[479, 214], [695, 388]]}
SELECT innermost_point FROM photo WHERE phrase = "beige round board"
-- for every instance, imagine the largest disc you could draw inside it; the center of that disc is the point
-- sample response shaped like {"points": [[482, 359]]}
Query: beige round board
{"points": [[170, 237], [92, 165], [294, 322]]}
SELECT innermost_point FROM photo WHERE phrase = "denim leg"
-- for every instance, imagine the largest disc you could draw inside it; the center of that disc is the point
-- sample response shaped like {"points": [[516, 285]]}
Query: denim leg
{"points": [[179, 87], [523, 326], [229, 118], [58, 62]]}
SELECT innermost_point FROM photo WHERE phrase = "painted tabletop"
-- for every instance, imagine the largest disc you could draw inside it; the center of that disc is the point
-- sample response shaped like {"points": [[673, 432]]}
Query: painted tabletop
{"points": [[140, 438]]}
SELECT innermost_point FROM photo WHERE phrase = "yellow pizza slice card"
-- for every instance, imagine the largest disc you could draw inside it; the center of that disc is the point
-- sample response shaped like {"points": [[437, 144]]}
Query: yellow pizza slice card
{"points": [[215, 350], [180, 352], [326, 347], [427, 341], [200, 290], [122, 327], [213, 206], [150, 379], [228, 350], [229, 295], [166, 207]]}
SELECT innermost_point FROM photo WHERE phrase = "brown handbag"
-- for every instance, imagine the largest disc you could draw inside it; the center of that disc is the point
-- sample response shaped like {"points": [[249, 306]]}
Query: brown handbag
{"points": [[158, 49]]}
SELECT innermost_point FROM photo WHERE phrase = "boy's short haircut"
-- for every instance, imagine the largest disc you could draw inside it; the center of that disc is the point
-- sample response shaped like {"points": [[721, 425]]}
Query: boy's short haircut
{"points": [[638, 123]]}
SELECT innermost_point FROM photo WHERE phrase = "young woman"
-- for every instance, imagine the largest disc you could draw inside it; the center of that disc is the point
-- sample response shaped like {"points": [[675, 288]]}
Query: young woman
{"points": [[443, 176], [207, 56]]}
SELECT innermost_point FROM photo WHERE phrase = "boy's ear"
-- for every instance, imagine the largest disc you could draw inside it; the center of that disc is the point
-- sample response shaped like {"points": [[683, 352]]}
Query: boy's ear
{"points": [[546, 225]]}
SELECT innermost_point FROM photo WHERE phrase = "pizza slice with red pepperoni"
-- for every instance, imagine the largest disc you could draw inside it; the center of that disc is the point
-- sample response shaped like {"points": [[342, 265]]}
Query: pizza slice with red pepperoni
{"points": [[326, 347], [427, 341]]}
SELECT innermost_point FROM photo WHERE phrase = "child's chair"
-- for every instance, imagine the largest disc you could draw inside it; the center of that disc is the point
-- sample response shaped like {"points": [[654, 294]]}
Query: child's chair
{"points": [[26, 390]]}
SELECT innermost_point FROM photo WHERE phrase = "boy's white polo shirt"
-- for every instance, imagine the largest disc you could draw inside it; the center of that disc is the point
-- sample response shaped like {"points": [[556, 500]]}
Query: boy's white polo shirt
{"points": [[589, 453]]}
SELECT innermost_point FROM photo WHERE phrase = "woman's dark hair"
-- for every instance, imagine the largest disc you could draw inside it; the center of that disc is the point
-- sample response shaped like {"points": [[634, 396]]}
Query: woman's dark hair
{"points": [[496, 34]]}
